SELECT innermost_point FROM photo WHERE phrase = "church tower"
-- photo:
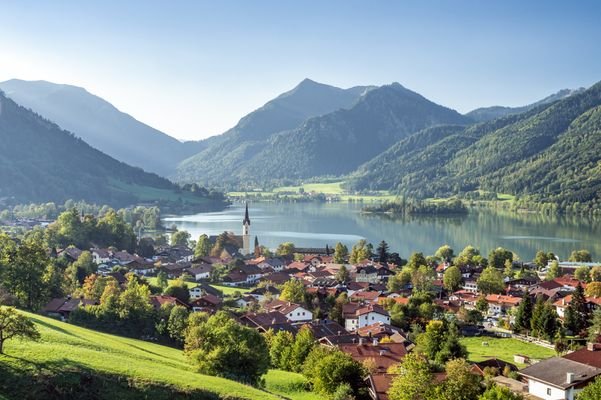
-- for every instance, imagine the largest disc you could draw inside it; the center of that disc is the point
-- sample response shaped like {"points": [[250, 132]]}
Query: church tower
{"points": [[246, 233]]}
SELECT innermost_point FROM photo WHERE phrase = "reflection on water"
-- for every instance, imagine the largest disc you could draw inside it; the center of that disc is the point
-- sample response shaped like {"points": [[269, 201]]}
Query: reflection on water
{"points": [[315, 225]]}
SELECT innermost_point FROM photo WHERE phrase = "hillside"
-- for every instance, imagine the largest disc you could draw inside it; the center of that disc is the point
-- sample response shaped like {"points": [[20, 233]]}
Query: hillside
{"points": [[549, 154], [331, 144], [40, 162], [101, 125], [225, 154], [77, 363], [489, 113]]}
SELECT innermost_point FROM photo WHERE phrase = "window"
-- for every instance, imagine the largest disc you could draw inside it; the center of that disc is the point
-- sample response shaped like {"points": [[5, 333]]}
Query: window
{"points": [[548, 391]]}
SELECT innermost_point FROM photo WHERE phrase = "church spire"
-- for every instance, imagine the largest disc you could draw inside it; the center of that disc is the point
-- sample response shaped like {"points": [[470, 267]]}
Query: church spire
{"points": [[246, 220]]}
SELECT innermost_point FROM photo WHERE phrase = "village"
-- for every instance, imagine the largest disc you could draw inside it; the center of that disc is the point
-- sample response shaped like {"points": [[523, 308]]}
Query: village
{"points": [[364, 309]]}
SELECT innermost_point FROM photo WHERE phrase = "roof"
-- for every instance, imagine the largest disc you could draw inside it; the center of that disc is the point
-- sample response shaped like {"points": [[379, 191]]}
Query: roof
{"points": [[344, 338], [585, 356], [501, 299], [281, 306], [325, 328], [372, 308], [568, 299], [200, 269], [385, 354], [207, 298], [492, 363], [158, 301], [370, 296], [553, 371], [379, 328], [264, 320], [380, 383], [54, 305]]}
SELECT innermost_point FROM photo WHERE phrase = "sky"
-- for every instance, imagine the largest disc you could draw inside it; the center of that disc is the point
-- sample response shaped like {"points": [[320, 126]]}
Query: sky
{"points": [[193, 68]]}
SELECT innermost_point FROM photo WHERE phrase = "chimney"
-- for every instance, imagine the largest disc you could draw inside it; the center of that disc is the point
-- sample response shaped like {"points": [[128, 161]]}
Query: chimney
{"points": [[360, 341], [339, 333], [570, 377], [375, 342], [382, 353], [591, 346]]}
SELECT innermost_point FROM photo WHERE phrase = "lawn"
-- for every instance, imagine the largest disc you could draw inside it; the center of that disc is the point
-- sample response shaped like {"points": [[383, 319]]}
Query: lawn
{"points": [[153, 281], [228, 290], [150, 194], [504, 349], [74, 362], [288, 384], [325, 188]]}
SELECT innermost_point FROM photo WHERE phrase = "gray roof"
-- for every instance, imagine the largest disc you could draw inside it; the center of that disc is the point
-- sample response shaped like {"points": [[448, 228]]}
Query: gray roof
{"points": [[553, 371]]}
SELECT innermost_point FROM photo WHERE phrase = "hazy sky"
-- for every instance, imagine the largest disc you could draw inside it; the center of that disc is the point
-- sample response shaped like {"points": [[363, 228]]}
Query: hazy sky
{"points": [[192, 68]]}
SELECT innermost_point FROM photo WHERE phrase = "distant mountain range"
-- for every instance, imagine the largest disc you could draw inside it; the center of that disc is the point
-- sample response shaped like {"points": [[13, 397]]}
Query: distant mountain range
{"points": [[101, 125], [336, 139], [386, 137], [489, 113], [40, 162], [550, 153]]}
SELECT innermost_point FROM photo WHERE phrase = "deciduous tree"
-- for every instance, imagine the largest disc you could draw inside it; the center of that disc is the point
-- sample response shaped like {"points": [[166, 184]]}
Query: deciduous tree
{"points": [[15, 325]]}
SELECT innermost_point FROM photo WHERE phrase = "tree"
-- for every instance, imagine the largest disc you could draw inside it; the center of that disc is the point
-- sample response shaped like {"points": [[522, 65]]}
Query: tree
{"points": [[15, 325], [592, 391], [179, 290], [340, 253], [416, 260], [280, 346], [491, 281], [508, 271], [285, 249], [162, 280], [327, 369], [544, 320], [399, 280], [593, 289], [496, 392], [303, 344], [293, 291], [336, 311], [203, 246], [467, 256], [461, 383], [582, 274], [383, 251], [580, 256], [452, 278], [523, 315], [594, 331], [440, 342], [482, 304], [343, 275], [414, 379], [498, 256], [596, 274], [177, 323], [222, 347], [361, 251], [577, 313], [422, 278], [541, 259], [553, 271], [180, 238], [445, 253]]}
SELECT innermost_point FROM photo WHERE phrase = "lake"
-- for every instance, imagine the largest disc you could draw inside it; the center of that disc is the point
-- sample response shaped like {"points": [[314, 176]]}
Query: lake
{"points": [[318, 224]]}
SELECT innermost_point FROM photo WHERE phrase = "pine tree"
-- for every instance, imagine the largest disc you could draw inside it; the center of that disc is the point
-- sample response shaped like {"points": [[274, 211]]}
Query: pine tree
{"points": [[382, 251], [523, 314]]}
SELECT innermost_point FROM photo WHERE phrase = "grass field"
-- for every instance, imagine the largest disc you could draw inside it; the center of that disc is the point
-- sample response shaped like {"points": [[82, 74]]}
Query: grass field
{"points": [[78, 363], [228, 290], [503, 349], [288, 384], [153, 281], [150, 194]]}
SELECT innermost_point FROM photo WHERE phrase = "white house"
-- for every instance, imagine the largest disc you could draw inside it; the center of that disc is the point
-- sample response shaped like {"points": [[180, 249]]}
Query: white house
{"points": [[364, 316], [200, 271], [558, 378], [101, 256], [294, 312]]}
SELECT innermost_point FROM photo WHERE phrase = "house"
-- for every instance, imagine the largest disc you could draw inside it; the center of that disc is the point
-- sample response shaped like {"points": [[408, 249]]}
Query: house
{"points": [[499, 365], [173, 270], [207, 303], [378, 330], [470, 285], [275, 264], [62, 307], [365, 296], [200, 271], [561, 304], [101, 256], [384, 355], [71, 253], [324, 328], [123, 257], [263, 322], [204, 289], [174, 254], [246, 301], [158, 301], [261, 293], [558, 378], [235, 278], [294, 312], [141, 267], [500, 304], [367, 273], [357, 315], [379, 384]]}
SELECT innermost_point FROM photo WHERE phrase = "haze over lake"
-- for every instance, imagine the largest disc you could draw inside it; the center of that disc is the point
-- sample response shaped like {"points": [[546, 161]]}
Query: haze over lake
{"points": [[318, 224]]}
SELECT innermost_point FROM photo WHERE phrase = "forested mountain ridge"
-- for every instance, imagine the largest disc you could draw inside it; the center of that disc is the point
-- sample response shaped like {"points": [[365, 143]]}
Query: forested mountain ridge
{"points": [[483, 114], [40, 162], [101, 125], [532, 155], [338, 142], [224, 153]]}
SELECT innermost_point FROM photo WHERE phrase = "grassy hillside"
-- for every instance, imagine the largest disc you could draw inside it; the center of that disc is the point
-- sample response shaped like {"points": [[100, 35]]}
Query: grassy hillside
{"points": [[77, 363], [503, 349]]}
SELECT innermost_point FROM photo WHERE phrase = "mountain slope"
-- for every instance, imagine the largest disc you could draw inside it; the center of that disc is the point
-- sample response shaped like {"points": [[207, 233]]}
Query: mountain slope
{"points": [[549, 154], [41, 162], [338, 142], [225, 153], [101, 125], [489, 113], [78, 363]]}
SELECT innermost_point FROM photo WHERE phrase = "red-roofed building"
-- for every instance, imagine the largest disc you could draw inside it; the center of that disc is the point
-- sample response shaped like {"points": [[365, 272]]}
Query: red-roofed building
{"points": [[357, 315], [562, 304], [158, 301]]}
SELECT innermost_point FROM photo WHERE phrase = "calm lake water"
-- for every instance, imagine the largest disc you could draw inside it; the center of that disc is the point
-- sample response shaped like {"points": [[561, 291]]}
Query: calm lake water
{"points": [[316, 224]]}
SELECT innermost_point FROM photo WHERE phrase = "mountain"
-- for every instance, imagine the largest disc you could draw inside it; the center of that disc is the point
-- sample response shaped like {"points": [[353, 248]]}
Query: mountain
{"points": [[488, 113], [549, 154], [101, 125], [40, 162], [224, 154], [330, 144]]}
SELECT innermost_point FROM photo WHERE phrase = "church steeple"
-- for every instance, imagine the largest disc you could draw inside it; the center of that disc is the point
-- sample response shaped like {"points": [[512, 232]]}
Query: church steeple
{"points": [[246, 220]]}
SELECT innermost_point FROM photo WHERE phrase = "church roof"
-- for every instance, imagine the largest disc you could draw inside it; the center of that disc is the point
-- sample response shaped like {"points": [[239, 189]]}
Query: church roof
{"points": [[246, 218]]}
